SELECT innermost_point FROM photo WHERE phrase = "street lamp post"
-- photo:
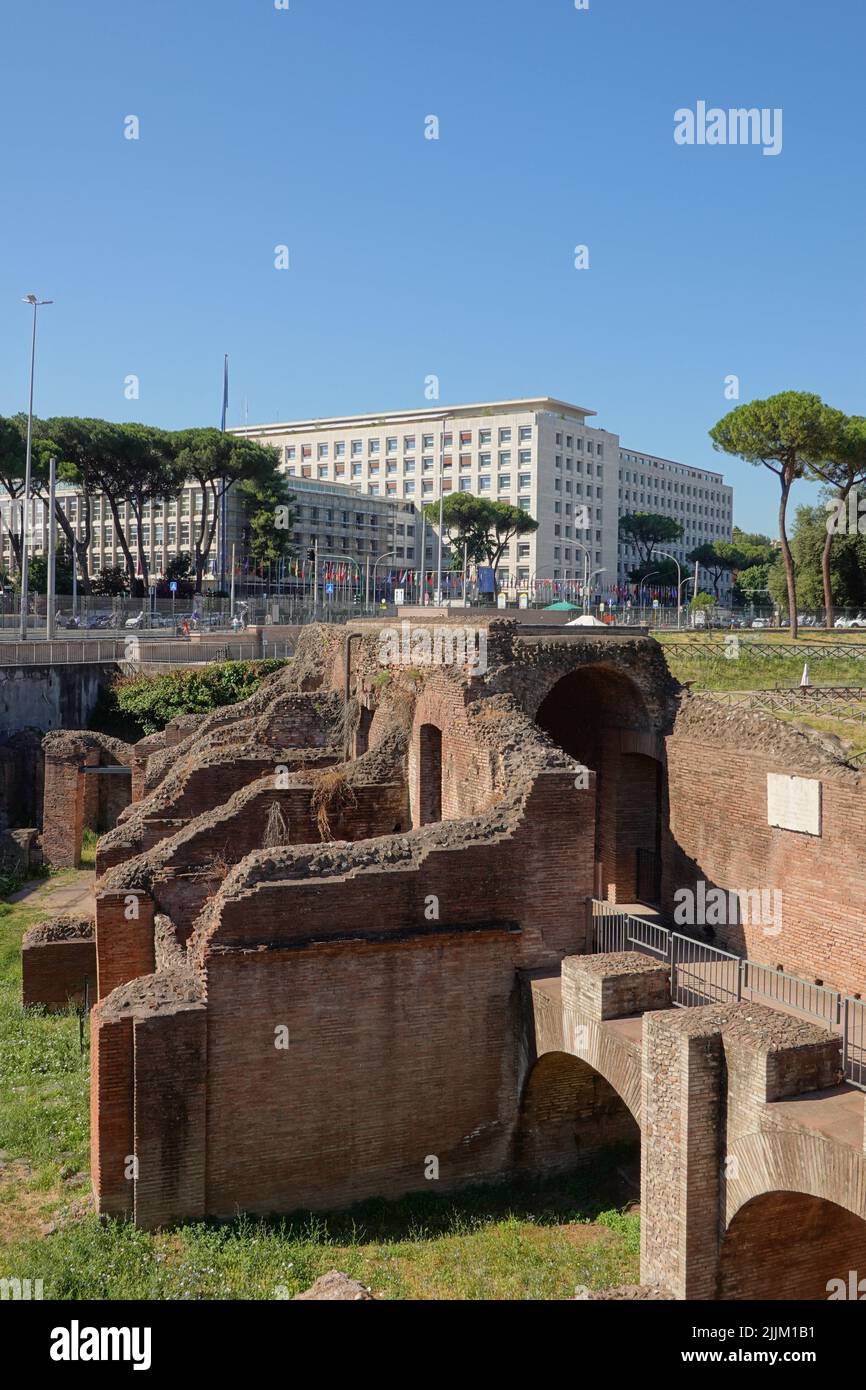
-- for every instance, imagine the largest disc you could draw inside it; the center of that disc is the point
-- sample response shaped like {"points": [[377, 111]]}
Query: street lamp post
{"points": [[669, 556], [441, 510], [590, 575], [651, 575], [388, 554], [25, 529]]}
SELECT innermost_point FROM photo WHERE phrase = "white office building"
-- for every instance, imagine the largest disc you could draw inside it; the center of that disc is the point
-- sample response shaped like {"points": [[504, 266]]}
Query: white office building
{"points": [[540, 454]]}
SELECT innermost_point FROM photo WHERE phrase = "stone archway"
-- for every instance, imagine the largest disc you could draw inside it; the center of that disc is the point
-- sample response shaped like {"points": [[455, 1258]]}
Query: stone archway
{"points": [[792, 1245], [598, 716], [569, 1112]]}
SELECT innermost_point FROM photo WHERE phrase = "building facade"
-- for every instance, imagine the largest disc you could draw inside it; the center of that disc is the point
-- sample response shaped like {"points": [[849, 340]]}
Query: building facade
{"points": [[540, 454], [340, 523]]}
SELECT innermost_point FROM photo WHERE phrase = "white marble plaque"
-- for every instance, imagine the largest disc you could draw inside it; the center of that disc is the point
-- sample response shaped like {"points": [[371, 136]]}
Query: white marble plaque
{"points": [[794, 803]]}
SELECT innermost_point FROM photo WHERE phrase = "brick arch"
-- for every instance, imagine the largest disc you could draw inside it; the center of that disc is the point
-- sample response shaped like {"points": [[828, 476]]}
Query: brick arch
{"points": [[568, 1112], [762, 1162], [598, 714], [602, 692], [823, 1242]]}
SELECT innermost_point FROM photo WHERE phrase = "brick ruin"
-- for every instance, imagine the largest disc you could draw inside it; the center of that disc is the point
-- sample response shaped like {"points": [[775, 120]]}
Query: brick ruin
{"points": [[340, 934]]}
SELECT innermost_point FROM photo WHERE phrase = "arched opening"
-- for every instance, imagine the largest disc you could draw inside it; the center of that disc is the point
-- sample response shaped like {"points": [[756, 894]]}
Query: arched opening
{"points": [[598, 716], [429, 774], [362, 732], [790, 1245], [569, 1114]]}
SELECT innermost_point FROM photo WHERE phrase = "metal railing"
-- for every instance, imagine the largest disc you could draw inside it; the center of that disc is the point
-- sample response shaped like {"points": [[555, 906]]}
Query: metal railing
{"points": [[703, 974], [141, 650], [854, 1040], [615, 930], [791, 992]]}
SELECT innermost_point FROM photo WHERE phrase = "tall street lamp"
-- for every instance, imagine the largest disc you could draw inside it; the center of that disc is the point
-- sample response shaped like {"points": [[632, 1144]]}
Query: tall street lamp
{"points": [[25, 529], [669, 556], [439, 596]]}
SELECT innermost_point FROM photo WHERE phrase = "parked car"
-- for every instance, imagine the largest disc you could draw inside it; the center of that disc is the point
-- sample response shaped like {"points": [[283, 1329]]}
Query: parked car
{"points": [[760, 622]]}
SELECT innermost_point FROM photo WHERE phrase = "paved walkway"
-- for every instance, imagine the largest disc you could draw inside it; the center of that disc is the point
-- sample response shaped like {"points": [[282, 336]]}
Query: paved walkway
{"points": [[71, 891]]}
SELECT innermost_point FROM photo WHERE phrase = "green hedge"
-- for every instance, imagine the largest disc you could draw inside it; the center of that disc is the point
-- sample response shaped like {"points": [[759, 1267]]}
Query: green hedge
{"points": [[137, 705]]}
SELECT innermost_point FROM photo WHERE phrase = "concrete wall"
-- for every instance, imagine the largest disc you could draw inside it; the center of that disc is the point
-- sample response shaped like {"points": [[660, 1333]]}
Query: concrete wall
{"points": [[51, 697]]}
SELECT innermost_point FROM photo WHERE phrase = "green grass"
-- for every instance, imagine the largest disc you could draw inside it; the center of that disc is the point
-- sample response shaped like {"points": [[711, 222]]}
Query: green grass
{"points": [[538, 1240], [89, 841], [491, 1242], [753, 664]]}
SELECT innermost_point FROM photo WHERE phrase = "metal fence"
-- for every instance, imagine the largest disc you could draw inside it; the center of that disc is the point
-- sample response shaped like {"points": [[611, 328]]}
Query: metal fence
{"points": [[854, 1040], [703, 974], [139, 650]]}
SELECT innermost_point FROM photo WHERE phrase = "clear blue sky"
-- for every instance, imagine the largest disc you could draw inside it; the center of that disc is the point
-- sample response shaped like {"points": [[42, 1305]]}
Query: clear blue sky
{"points": [[454, 257]]}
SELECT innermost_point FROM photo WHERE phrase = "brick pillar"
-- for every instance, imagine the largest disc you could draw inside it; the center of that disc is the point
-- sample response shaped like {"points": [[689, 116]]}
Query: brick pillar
{"points": [[682, 1076], [139, 772], [124, 938], [170, 1118], [607, 790], [64, 807], [111, 1112]]}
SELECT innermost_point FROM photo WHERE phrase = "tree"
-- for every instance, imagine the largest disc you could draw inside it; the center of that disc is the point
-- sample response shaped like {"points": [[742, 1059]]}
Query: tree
{"points": [[752, 584], [663, 572], [844, 470], [847, 562], [78, 445], [218, 461], [467, 521], [111, 581], [270, 519], [12, 463], [646, 530], [507, 522], [755, 548], [144, 472], [37, 572], [784, 433], [179, 567], [718, 558]]}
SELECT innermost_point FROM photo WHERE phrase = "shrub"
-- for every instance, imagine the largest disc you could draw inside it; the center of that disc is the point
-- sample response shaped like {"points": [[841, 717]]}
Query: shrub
{"points": [[145, 704]]}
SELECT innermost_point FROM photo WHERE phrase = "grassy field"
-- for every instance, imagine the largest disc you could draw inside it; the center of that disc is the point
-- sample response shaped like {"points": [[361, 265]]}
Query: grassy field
{"points": [[536, 1241], [716, 662]]}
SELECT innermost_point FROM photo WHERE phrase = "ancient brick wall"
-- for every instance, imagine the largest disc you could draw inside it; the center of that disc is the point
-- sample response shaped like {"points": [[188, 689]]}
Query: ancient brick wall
{"points": [[756, 1263], [73, 799], [57, 957], [718, 833], [371, 1027]]}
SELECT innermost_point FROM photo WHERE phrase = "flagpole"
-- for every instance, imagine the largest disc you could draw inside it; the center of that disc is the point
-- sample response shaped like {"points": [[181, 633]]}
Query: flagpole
{"points": [[223, 501]]}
